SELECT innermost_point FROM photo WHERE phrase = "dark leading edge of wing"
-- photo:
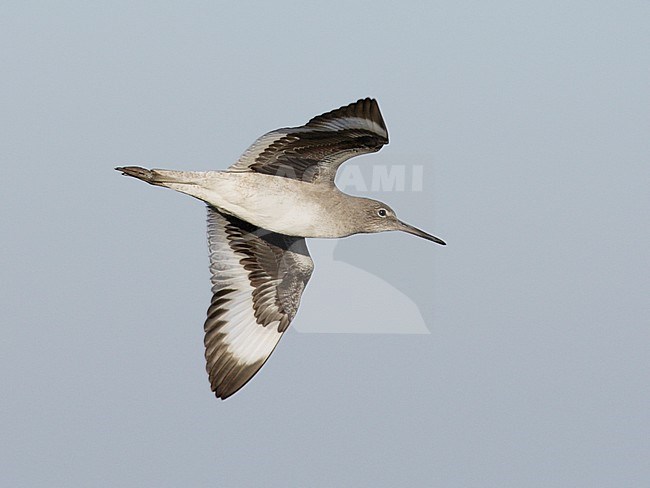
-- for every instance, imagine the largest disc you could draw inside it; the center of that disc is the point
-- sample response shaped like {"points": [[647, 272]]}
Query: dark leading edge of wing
{"points": [[313, 152]]}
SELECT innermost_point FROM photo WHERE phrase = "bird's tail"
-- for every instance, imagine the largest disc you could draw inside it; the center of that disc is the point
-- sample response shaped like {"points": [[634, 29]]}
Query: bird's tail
{"points": [[193, 183], [158, 177]]}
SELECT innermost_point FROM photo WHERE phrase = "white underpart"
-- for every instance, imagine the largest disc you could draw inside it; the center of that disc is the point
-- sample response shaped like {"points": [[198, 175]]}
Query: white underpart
{"points": [[246, 340], [277, 204]]}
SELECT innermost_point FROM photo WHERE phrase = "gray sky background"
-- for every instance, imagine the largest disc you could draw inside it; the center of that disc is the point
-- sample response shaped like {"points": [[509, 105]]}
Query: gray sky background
{"points": [[532, 121]]}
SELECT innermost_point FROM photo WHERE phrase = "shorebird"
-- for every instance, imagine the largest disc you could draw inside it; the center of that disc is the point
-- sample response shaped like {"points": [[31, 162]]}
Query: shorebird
{"points": [[260, 210]]}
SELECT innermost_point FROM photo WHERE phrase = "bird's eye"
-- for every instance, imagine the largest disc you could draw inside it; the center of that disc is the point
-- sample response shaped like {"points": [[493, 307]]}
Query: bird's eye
{"points": [[382, 212]]}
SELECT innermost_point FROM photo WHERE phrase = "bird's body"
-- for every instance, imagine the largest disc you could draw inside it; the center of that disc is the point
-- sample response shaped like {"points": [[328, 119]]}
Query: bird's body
{"points": [[283, 205], [260, 210]]}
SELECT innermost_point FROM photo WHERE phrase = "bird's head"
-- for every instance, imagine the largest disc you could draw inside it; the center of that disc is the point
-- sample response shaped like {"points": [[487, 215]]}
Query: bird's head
{"points": [[378, 217]]}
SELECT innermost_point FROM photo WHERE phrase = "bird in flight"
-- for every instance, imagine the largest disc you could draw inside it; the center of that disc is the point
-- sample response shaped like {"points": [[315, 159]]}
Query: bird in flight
{"points": [[260, 210]]}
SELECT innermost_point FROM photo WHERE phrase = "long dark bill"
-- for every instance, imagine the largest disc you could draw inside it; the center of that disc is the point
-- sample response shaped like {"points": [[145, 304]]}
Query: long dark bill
{"points": [[420, 233]]}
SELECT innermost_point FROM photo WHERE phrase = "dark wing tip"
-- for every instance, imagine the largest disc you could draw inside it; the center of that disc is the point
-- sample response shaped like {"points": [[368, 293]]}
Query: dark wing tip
{"points": [[235, 379], [366, 108], [226, 372]]}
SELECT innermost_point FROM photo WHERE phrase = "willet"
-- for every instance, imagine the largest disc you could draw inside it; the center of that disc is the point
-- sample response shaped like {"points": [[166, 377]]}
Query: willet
{"points": [[260, 210]]}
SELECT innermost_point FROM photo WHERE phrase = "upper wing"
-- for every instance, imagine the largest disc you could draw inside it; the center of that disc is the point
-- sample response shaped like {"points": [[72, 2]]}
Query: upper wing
{"points": [[257, 281], [313, 152]]}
